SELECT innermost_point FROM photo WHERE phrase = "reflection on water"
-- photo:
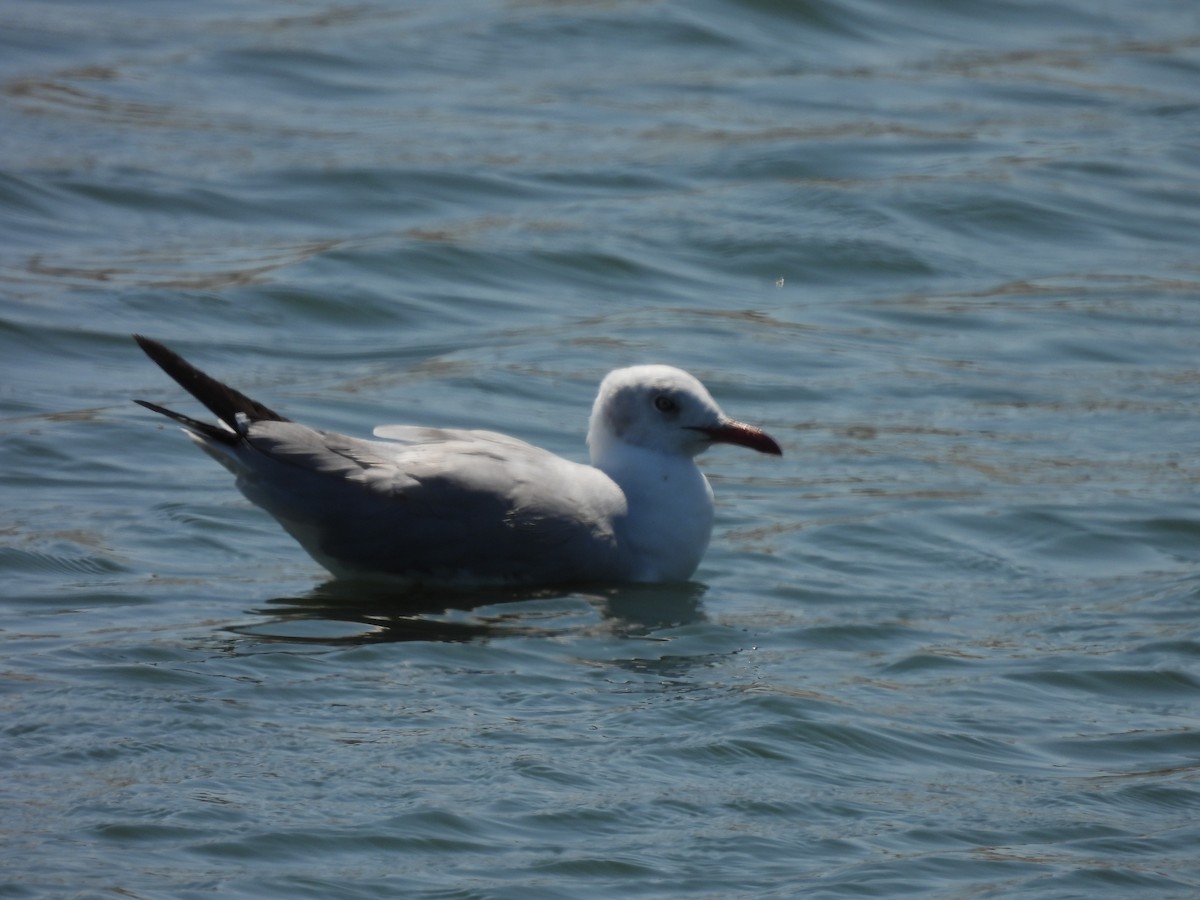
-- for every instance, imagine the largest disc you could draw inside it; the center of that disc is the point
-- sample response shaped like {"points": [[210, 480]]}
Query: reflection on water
{"points": [[345, 611]]}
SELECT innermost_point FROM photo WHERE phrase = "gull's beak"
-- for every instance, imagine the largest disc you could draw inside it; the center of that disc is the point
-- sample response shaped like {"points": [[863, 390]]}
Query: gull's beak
{"points": [[731, 431]]}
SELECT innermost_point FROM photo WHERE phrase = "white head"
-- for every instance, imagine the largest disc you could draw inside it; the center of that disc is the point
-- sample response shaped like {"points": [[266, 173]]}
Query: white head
{"points": [[666, 410]]}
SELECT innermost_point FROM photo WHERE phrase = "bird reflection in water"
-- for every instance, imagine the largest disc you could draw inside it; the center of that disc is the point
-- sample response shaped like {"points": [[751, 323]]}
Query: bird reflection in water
{"points": [[346, 612]]}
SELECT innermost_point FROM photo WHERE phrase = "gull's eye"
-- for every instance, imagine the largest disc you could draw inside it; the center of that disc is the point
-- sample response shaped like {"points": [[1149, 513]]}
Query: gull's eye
{"points": [[665, 404]]}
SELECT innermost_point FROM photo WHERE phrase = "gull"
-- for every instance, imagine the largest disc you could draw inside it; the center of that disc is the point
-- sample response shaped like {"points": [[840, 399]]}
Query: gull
{"points": [[457, 506]]}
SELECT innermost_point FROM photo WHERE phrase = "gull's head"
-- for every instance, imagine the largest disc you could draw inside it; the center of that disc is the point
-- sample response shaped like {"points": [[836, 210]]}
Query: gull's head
{"points": [[666, 410]]}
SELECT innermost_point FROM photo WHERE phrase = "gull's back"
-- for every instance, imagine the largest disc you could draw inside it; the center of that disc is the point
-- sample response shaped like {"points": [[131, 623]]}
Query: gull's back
{"points": [[431, 504]]}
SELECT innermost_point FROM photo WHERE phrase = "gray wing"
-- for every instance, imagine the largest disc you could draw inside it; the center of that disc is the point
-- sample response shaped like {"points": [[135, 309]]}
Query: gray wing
{"points": [[432, 504]]}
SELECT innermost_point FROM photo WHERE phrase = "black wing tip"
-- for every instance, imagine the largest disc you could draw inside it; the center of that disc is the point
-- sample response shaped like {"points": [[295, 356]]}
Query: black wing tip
{"points": [[154, 407], [156, 350], [224, 402], [204, 429]]}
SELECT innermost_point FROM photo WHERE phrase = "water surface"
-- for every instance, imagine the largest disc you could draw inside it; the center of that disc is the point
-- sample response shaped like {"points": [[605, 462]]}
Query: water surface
{"points": [[945, 253]]}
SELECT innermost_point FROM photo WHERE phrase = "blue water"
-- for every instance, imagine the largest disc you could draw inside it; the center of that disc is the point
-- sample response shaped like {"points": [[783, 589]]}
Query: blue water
{"points": [[946, 253]]}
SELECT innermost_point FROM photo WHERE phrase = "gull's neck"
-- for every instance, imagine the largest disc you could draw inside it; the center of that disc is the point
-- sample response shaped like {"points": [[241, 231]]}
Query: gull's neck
{"points": [[669, 508]]}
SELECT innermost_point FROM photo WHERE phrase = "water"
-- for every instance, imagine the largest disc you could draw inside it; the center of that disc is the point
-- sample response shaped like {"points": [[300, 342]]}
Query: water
{"points": [[947, 646]]}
